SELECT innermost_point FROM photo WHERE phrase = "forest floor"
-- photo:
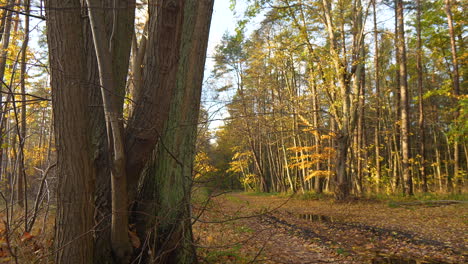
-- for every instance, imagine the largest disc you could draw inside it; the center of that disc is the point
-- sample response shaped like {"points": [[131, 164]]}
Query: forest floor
{"points": [[245, 228]]}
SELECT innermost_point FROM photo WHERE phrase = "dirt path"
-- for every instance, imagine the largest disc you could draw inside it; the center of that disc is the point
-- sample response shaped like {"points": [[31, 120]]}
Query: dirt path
{"points": [[240, 228]]}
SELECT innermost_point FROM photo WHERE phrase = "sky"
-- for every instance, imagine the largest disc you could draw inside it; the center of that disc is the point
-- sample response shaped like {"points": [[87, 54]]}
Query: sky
{"points": [[223, 20]]}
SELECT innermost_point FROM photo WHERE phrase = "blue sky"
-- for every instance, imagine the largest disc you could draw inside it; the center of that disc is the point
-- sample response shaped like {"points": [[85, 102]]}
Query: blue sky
{"points": [[223, 20]]}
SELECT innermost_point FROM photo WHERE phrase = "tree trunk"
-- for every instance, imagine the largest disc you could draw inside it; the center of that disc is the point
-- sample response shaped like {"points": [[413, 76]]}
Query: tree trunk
{"points": [[75, 207], [110, 54], [165, 193], [22, 180], [421, 121], [377, 98], [5, 40], [342, 143], [405, 141], [456, 93], [397, 173]]}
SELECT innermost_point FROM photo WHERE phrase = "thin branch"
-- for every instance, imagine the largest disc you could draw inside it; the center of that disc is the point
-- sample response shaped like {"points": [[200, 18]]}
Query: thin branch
{"points": [[22, 13]]}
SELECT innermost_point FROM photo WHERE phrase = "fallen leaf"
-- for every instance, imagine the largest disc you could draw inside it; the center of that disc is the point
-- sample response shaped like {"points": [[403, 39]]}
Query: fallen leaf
{"points": [[26, 237]]}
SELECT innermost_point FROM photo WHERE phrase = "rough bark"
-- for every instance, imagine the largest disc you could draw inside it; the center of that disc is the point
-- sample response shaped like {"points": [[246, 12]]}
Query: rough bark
{"points": [[166, 187], [146, 124], [75, 207], [98, 132], [109, 54], [342, 189]]}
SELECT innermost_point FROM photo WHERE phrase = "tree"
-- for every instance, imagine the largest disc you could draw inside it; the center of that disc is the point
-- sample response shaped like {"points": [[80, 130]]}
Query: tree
{"points": [[377, 96], [348, 80], [74, 238], [405, 141], [456, 92], [421, 120], [168, 99]]}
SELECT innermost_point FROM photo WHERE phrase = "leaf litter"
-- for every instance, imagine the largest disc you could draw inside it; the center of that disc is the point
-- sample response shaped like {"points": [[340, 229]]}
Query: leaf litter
{"points": [[241, 228]]}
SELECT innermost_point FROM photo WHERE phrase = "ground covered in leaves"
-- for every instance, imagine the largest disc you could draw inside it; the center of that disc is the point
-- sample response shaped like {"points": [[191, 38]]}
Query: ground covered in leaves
{"points": [[243, 228]]}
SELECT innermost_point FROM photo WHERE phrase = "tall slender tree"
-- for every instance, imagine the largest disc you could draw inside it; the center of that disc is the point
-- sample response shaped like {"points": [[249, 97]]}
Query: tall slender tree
{"points": [[421, 120], [405, 126], [456, 93]]}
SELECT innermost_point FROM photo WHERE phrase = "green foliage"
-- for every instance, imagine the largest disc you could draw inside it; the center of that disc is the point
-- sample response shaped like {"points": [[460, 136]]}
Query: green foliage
{"points": [[311, 195], [459, 128], [394, 198], [341, 251], [244, 229], [231, 254], [200, 195], [263, 194]]}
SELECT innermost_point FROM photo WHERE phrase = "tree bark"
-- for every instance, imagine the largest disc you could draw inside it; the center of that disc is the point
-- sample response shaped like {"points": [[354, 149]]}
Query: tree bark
{"points": [[377, 98], [405, 141], [112, 98], [22, 180], [167, 179], [75, 207], [421, 121], [342, 188], [456, 93], [5, 40], [145, 126]]}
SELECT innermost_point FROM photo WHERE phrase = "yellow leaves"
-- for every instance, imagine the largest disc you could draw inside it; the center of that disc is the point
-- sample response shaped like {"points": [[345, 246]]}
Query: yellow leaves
{"points": [[35, 156], [302, 164], [249, 178], [326, 137], [237, 165], [317, 173], [305, 121], [240, 155], [202, 164], [240, 160], [300, 149]]}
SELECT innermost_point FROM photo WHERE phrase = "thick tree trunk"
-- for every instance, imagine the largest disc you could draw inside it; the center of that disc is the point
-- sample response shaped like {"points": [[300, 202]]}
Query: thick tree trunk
{"points": [[97, 128], [145, 126], [110, 54], [167, 179], [75, 206], [342, 144]]}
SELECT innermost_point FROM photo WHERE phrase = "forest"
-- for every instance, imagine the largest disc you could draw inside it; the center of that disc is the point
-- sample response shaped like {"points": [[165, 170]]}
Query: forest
{"points": [[351, 97], [319, 131]]}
